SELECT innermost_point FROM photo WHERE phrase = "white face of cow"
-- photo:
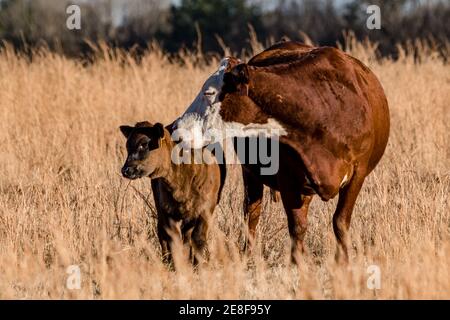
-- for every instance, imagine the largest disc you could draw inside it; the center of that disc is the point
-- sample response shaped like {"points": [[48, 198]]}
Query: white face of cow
{"points": [[202, 124], [203, 113]]}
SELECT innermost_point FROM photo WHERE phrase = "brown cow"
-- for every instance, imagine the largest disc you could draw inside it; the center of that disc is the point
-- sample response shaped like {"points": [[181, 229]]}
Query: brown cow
{"points": [[183, 192], [331, 117]]}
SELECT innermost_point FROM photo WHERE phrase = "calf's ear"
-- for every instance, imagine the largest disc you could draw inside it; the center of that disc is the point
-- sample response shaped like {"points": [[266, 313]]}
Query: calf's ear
{"points": [[159, 129], [126, 130]]}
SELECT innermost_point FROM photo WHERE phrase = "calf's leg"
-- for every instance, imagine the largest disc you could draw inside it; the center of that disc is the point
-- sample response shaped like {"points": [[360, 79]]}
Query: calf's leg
{"points": [[198, 237], [164, 241], [170, 235]]}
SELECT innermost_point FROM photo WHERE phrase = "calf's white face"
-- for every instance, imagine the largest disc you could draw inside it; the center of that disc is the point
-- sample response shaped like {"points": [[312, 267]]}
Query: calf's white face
{"points": [[202, 124]]}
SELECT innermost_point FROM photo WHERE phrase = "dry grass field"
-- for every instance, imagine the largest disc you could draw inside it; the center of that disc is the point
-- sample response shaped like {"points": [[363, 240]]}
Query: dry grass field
{"points": [[63, 201]]}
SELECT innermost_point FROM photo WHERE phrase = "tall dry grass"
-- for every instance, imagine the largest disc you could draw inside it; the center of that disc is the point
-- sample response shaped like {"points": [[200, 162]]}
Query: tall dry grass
{"points": [[63, 201]]}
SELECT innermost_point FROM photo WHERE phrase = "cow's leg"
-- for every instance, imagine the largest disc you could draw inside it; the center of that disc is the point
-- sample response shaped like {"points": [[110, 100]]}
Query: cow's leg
{"points": [[343, 214], [296, 206], [199, 245], [254, 191]]}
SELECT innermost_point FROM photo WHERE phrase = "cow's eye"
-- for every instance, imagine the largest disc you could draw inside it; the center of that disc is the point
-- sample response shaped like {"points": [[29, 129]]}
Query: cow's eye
{"points": [[142, 146], [209, 93]]}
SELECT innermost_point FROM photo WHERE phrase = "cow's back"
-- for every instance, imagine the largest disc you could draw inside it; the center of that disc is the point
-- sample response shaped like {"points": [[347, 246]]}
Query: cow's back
{"points": [[280, 53]]}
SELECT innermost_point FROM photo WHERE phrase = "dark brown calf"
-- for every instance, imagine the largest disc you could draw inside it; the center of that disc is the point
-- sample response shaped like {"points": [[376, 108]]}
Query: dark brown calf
{"points": [[185, 194]]}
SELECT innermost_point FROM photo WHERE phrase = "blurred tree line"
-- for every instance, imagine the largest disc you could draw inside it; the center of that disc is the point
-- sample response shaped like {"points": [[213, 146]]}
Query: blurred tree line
{"points": [[212, 25]]}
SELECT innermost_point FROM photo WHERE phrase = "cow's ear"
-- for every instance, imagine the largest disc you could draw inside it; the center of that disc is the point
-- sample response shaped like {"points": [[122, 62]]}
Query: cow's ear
{"points": [[126, 130], [240, 74], [236, 80], [159, 129]]}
